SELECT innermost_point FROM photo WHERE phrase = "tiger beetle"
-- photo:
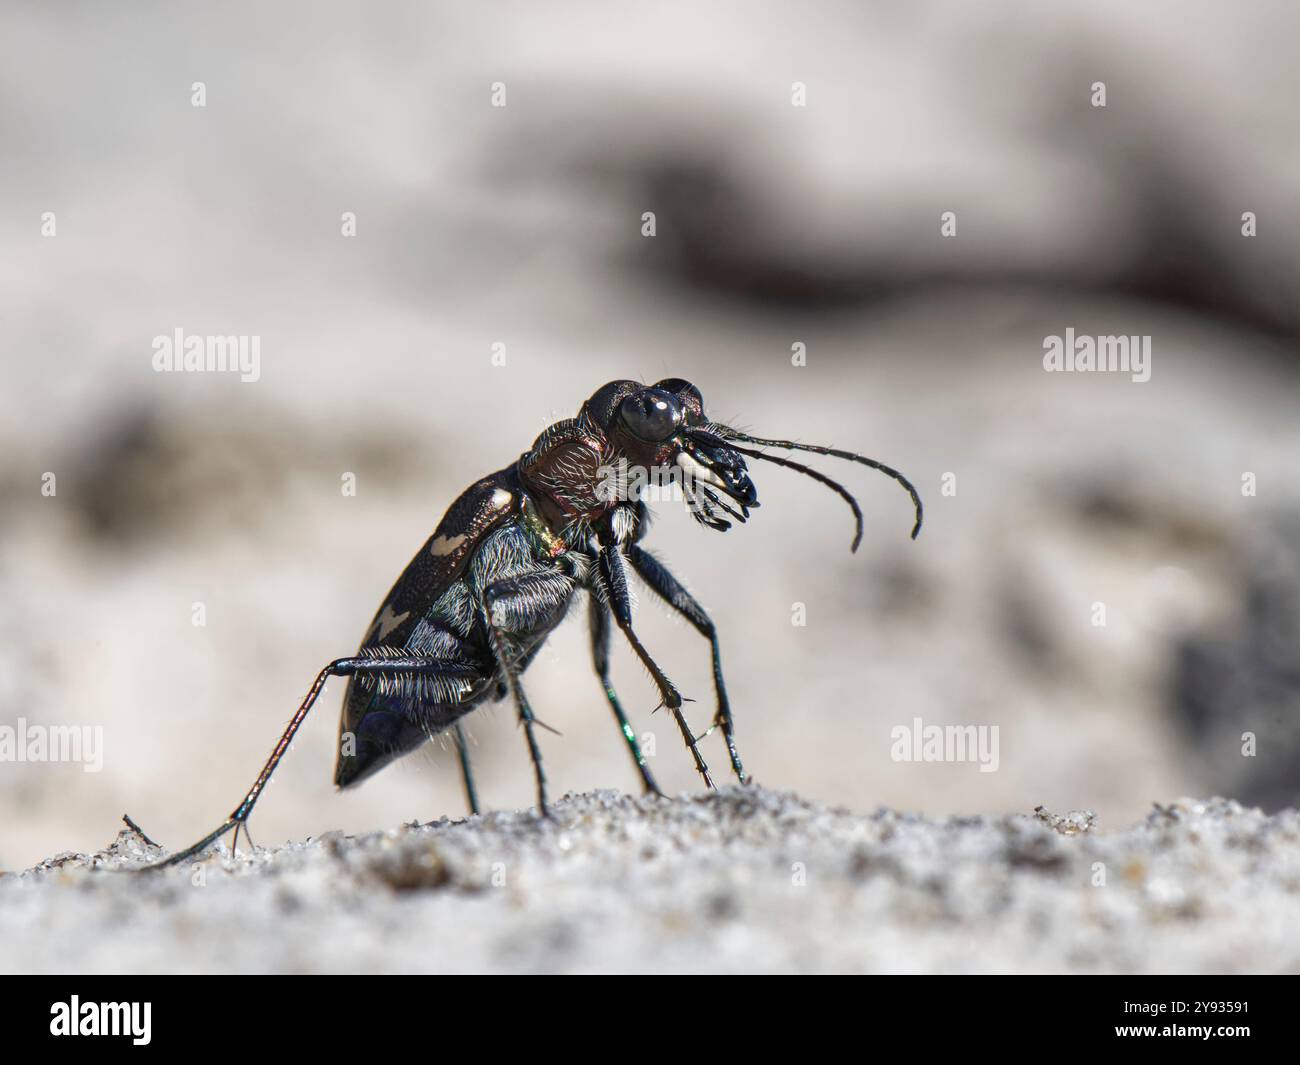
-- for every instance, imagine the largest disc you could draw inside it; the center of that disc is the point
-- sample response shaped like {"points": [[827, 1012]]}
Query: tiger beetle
{"points": [[476, 603]]}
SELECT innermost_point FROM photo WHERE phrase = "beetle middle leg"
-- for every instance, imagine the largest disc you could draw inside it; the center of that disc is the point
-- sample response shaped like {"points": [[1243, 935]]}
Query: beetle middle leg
{"points": [[620, 605], [466, 773], [599, 617], [670, 589], [530, 604]]}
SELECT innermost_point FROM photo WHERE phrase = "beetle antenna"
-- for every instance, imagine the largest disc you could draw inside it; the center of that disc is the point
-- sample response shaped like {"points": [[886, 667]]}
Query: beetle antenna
{"points": [[817, 449], [816, 476]]}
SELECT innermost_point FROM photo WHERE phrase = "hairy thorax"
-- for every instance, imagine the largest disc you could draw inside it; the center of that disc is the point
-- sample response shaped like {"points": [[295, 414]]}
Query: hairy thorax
{"points": [[562, 476]]}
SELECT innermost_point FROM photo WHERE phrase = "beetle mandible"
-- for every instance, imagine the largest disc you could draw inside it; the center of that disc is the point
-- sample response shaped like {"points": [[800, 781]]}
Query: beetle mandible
{"points": [[499, 572]]}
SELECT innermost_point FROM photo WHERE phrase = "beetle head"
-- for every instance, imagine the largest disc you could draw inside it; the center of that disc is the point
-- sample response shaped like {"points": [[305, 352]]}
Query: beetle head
{"points": [[663, 426], [661, 430]]}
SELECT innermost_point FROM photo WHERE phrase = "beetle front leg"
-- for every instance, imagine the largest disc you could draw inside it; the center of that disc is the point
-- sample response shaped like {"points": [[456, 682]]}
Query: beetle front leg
{"points": [[620, 605], [670, 589], [599, 618]]}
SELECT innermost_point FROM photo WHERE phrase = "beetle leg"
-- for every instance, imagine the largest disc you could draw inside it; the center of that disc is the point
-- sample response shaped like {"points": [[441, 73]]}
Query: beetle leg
{"points": [[599, 617], [466, 774], [340, 667], [668, 588], [620, 605], [522, 604]]}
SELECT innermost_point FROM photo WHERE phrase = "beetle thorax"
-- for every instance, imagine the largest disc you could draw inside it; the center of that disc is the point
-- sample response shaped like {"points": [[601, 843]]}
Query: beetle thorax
{"points": [[564, 474]]}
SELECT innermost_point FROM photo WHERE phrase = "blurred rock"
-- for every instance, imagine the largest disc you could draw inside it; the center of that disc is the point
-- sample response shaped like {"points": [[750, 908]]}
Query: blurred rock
{"points": [[1237, 692], [145, 474]]}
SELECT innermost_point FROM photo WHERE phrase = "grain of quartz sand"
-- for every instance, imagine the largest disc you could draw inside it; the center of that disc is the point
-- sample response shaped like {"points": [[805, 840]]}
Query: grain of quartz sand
{"points": [[743, 880]]}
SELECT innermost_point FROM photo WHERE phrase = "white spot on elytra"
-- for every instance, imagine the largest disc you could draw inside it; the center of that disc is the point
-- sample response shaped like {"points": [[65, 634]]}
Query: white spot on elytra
{"points": [[445, 545], [388, 620]]}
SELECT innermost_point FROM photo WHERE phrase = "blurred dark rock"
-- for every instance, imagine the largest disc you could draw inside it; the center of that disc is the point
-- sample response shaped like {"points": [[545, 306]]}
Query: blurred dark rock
{"points": [[1226, 685], [142, 473]]}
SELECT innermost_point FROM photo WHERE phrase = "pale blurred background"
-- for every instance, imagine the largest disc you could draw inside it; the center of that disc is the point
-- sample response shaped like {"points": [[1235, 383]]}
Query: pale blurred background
{"points": [[775, 225]]}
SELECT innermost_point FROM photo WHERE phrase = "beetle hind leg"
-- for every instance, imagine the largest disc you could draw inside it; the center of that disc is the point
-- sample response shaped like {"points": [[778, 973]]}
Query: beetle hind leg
{"points": [[340, 667]]}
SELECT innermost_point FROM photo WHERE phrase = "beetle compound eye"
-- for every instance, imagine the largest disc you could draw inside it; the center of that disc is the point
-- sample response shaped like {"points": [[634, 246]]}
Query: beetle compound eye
{"points": [[685, 390], [652, 414]]}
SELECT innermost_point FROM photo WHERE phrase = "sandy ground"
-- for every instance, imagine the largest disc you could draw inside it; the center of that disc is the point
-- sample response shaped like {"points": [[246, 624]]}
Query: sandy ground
{"points": [[739, 881]]}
